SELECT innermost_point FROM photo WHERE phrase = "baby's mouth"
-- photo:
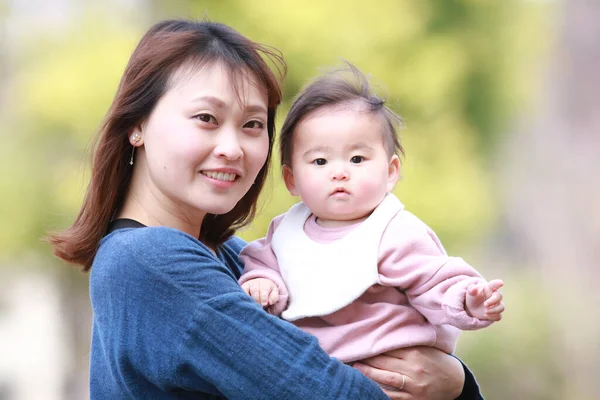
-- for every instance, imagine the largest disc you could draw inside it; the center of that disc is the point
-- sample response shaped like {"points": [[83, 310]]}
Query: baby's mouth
{"points": [[340, 191]]}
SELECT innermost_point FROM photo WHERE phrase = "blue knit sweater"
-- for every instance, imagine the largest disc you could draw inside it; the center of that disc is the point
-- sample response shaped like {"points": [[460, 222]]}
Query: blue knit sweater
{"points": [[171, 322]]}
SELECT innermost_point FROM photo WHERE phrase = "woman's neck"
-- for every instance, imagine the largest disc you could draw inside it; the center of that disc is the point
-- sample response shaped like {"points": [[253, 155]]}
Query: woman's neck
{"points": [[149, 214]]}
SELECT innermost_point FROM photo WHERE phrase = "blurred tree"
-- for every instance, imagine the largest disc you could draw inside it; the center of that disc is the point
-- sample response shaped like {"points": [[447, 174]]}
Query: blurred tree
{"points": [[427, 56], [552, 207], [450, 67], [61, 84], [447, 66], [59, 93]]}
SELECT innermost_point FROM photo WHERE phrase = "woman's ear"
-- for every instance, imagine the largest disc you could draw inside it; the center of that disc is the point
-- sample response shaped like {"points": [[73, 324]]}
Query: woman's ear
{"points": [[288, 178], [393, 172], [136, 138]]}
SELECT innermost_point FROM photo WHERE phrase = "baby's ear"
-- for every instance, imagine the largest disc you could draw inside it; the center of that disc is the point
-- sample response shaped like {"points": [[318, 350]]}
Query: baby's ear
{"points": [[393, 172], [288, 178]]}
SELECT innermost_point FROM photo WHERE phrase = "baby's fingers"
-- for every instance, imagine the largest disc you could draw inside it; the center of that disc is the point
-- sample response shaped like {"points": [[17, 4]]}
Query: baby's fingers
{"points": [[474, 290], [255, 292], [493, 317], [246, 288], [265, 291], [274, 296], [475, 296], [497, 309], [494, 299], [493, 285]]}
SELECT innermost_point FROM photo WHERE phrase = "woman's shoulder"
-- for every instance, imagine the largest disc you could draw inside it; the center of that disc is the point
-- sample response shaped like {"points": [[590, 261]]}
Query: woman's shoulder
{"points": [[160, 237], [234, 244], [152, 250], [151, 257], [167, 249], [161, 242], [150, 237]]}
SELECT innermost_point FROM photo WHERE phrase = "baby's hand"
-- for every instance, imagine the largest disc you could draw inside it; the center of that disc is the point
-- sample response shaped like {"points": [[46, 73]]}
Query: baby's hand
{"points": [[263, 291], [484, 301]]}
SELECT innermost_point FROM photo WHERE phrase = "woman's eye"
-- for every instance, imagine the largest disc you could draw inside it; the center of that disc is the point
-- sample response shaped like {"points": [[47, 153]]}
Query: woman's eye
{"points": [[207, 118], [357, 159], [320, 161], [254, 125]]}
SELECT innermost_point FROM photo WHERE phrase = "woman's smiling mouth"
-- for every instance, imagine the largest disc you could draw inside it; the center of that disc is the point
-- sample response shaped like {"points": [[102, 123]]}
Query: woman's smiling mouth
{"points": [[220, 176]]}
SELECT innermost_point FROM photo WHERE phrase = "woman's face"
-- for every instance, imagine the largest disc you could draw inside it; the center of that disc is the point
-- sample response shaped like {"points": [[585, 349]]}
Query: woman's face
{"points": [[203, 145]]}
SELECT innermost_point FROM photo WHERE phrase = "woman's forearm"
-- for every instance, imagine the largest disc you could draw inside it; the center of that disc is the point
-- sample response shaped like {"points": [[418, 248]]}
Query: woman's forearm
{"points": [[271, 358]]}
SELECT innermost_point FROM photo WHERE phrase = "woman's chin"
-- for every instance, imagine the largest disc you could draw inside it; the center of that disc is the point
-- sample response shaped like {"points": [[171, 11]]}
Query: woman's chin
{"points": [[220, 210]]}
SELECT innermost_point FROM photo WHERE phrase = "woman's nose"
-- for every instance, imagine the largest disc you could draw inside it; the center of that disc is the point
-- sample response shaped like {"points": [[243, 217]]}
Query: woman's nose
{"points": [[228, 146]]}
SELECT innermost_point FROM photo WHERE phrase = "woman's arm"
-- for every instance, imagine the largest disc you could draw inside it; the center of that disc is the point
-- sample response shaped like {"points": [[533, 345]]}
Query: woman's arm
{"points": [[248, 354], [429, 373], [271, 350], [194, 325]]}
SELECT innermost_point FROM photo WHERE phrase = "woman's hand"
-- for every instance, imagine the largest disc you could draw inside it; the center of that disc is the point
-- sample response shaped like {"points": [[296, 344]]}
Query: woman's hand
{"points": [[429, 373]]}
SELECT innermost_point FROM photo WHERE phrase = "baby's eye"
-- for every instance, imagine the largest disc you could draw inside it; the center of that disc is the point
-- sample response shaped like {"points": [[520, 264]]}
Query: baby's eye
{"points": [[207, 118], [320, 161], [357, 159], [254, 124]]}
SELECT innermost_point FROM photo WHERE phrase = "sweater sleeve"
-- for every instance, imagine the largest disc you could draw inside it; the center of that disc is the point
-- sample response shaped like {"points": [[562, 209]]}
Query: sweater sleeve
{"points": [[183, 322], [471, 389], [260, 262], [413, 259]]}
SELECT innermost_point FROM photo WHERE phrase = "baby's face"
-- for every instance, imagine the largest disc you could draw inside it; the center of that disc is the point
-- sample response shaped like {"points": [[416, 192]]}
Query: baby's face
{"points": [[340, 167]]}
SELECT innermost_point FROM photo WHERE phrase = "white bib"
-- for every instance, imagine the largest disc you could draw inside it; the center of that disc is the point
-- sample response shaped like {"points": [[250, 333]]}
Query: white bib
{"points": [[322, 278]]}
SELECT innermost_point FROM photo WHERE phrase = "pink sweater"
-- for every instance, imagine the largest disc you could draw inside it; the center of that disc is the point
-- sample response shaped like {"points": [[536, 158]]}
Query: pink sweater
{"points": [[419, 299]]}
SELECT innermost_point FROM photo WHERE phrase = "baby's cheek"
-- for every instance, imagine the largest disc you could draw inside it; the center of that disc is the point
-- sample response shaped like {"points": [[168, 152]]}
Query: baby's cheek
{"points": [[310, 187], [370, 186], [310, 194]]}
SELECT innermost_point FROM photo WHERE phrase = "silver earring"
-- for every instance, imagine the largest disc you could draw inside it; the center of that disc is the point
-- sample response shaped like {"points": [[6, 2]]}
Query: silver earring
{"points": [[136, 138]]}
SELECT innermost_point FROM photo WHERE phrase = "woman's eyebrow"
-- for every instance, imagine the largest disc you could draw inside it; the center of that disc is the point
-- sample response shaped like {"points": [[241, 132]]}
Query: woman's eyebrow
{"points": [[255, 108], [210, 99], [249, 108]]}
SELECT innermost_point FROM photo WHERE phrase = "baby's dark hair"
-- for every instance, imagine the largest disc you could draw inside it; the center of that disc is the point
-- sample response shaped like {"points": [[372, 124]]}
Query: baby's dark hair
{"points": [[346, 85]]}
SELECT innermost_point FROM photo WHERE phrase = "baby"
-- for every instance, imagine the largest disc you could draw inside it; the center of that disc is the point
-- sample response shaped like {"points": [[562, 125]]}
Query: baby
{"points": [[349, 264]]}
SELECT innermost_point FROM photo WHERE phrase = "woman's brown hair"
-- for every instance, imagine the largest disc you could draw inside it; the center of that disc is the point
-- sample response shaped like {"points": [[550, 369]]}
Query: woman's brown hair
{"points": [[164, 49]]}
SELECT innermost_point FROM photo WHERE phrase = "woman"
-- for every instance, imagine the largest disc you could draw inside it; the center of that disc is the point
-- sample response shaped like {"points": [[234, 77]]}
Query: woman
{"points": [[179, 164]]}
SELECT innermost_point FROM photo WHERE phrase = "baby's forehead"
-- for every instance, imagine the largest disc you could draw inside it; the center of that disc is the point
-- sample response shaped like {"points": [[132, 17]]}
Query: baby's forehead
{"points": [[355, 106], [339, 117], [338, 146], [339, 129]]}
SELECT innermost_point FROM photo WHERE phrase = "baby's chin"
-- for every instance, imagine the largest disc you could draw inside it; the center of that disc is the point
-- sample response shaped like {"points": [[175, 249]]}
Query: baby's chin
{"points": [[341, 220], [347, 215]]}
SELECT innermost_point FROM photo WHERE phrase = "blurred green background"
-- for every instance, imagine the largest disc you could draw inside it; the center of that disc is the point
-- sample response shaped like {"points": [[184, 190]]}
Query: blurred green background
{"points": [[500, 100]]}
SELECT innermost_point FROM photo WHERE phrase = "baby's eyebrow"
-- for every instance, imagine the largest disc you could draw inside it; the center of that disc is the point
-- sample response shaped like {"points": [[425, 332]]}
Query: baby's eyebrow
{"points": [[359, 146], [317, 149]]}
